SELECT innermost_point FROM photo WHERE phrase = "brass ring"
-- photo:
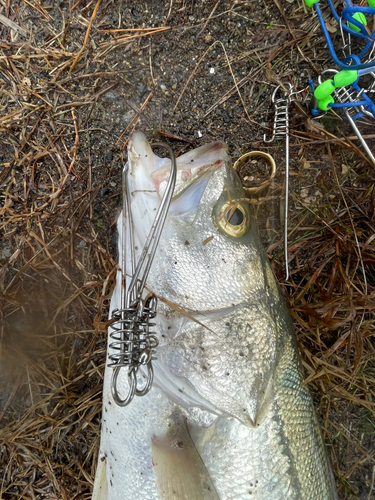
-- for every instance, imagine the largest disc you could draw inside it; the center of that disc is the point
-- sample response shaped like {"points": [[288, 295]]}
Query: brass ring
{"points": [[270, 160]]}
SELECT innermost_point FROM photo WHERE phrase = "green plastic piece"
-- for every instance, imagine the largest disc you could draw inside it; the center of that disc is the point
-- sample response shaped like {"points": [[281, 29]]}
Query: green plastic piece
{"points": [[324, 90], [360, 17], [345, 77], [323, 104], [371, 3], [310, 3]]}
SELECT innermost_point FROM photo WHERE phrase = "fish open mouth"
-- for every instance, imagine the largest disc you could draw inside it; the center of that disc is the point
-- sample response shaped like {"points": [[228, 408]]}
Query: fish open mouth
{"points": [[150, 172]]}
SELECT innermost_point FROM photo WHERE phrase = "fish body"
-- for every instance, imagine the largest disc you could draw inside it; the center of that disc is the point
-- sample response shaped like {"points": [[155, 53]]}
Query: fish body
{"points": [[227, 417]]}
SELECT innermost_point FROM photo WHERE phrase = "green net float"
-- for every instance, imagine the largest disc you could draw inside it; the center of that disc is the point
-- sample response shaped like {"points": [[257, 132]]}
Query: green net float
{"points": [[324, 89], [345, 77], [323, 104], [310, 3], [360, 17]]}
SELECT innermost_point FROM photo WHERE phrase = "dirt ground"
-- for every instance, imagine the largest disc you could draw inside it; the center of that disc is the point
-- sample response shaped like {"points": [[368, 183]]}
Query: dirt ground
{"points": [[76, 78]]}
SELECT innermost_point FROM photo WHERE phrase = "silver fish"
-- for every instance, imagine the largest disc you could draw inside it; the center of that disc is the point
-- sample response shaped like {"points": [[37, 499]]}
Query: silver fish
{"points": [[227, 417]]}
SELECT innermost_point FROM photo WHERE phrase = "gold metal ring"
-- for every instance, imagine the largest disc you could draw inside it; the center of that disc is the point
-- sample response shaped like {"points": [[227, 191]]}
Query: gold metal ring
{"points": [[270, 161]]}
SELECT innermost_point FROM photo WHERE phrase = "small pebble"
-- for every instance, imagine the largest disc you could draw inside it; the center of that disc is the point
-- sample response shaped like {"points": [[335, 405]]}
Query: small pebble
{"points": [[111, 96]]}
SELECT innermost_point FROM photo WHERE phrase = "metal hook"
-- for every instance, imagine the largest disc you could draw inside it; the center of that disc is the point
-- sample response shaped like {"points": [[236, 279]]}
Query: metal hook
{"points": [[132, 378], [153, 238], [132, 339], [150, 378]]}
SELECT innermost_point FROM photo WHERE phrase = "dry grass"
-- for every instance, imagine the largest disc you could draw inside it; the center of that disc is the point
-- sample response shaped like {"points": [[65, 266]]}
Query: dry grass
{"points": [[57, 63]]}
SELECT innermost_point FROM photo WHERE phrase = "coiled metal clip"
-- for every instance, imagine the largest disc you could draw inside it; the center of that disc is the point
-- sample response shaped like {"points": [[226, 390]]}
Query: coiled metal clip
{"points": [[280, 131], [132, 340]]}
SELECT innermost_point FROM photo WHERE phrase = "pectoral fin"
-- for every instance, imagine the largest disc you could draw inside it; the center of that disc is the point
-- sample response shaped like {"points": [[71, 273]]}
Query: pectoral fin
{"points": [[179, 470]]}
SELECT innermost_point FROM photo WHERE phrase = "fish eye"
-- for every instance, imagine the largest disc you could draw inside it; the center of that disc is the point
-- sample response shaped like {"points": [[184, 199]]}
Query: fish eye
{"points": [[234, 218]]}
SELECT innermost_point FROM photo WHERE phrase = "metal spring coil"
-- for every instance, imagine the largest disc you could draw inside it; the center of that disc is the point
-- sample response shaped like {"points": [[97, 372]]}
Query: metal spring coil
{"points": [[281, 119], [344, 95], [133, 340]]}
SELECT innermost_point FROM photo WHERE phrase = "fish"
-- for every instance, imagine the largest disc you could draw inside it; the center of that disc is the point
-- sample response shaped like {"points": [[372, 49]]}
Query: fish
{"points": [[228, 416]]}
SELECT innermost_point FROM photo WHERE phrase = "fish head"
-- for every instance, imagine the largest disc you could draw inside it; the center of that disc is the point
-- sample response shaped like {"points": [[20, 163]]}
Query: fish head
{"points": [[209, 253], [216, 287]]}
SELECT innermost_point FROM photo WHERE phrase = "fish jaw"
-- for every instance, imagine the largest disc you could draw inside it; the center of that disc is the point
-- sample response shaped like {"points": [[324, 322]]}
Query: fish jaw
{"points": [[149, 172], [191, 167], [148, 175]]}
